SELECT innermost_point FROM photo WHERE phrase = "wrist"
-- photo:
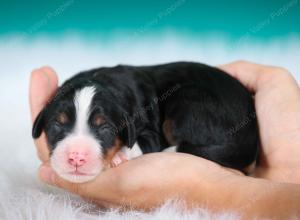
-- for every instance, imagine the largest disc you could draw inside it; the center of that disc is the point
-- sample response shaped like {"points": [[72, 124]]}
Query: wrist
{"points": [[246, 196], [259, 198], [218, 191], [268, 199], [287, 174]]}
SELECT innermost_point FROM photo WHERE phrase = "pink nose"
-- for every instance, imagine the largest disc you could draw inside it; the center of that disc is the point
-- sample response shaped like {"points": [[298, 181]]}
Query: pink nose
{"points": [[77, 159]]}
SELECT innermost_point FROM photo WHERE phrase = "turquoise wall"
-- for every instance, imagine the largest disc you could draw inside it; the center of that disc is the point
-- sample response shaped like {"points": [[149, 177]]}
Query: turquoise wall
{"points": [[262, 19]]}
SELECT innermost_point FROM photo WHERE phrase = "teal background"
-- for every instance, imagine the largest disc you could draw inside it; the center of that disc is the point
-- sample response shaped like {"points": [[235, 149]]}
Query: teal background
{"points": [[233, 18]]}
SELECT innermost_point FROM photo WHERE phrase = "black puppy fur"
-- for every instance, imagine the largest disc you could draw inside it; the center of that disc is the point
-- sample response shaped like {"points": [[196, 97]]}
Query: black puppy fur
{"points": [[198, 108]]}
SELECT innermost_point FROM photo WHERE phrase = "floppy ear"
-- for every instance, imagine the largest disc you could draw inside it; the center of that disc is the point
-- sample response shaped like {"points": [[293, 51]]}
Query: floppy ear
{"points": [[131, 132], [38, 125]]}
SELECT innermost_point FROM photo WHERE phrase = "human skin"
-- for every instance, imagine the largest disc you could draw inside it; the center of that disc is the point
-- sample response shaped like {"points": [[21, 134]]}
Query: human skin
{"points": [[148, 181]]}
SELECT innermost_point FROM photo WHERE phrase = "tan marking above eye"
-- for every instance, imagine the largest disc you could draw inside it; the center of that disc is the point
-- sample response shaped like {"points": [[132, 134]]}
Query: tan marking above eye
{"points": [[62, 118], [98, 120]]}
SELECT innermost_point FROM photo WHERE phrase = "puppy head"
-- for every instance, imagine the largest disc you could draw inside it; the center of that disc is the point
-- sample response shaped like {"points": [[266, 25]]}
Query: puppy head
{"points": [[83, 129]]}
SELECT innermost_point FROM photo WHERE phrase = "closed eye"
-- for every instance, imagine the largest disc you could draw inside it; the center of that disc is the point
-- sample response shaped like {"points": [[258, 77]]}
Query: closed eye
{"points": [[97, 120]]}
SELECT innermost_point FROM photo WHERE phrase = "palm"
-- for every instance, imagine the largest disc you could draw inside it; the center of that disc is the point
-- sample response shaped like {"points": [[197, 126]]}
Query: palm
{"points": [[167, 174]]}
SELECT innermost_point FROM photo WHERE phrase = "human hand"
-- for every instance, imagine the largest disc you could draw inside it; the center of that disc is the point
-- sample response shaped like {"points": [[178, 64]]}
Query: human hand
{"points": [[151, 179], [148, 181], [277, 103]]}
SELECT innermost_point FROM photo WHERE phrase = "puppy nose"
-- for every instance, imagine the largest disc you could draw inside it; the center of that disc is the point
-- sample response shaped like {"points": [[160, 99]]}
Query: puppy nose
{"points": [[76, 159]]}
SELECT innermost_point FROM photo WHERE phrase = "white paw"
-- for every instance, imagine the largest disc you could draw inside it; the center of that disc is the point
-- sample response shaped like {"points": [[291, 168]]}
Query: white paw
{"points": [[170, 149], [125, 154], [118, 159]]}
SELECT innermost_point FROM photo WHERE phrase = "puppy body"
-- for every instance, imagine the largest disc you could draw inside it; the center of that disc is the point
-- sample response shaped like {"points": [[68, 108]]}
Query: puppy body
{"points": [[196, 108]]}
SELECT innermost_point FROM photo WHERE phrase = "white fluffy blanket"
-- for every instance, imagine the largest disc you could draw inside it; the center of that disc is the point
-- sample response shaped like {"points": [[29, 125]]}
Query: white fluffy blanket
{"points": [[22, 196]]}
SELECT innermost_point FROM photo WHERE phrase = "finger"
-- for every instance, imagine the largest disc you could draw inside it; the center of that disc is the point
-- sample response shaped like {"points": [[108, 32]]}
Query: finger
{"points": [[43, 84], [42, 148], [249, 74]]}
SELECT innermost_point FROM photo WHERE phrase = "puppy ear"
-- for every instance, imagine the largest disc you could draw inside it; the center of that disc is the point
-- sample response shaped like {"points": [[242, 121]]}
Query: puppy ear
{"points": [[38, 125], [131, 132]]}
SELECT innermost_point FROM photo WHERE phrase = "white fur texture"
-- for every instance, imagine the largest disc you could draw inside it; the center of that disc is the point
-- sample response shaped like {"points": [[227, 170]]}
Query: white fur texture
{"points": [[22, 196], [83, 143], [82, 100], [134, 152], [170, 149]]}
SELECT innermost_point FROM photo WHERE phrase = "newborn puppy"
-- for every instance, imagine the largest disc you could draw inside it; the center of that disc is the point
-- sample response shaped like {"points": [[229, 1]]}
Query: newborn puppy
{"points": [[107, 115]]}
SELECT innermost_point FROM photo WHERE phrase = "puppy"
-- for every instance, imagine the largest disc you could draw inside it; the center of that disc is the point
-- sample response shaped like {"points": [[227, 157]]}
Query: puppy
{"points": [[102, 116]]}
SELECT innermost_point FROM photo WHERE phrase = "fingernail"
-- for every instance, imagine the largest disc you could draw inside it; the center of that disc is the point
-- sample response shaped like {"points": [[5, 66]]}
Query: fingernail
{"points": [[47, 174], [47, 78]]}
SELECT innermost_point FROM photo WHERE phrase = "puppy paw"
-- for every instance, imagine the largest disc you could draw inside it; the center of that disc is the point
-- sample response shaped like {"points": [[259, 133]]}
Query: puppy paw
{"points": [[119, 158]]}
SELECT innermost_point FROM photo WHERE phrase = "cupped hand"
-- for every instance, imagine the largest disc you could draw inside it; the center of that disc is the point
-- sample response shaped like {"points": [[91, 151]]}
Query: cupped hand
{"points": [[152, 179], [149, 180], [43, 85]]}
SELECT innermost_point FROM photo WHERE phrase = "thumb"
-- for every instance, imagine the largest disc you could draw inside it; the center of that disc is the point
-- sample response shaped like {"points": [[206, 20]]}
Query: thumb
{"points": [[249, 74], [49, 176]]}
